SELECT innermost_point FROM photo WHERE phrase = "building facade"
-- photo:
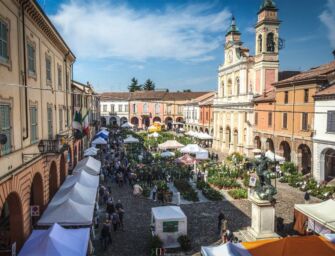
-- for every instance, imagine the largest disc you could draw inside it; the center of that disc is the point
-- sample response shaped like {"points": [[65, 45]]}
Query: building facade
{"points": [[114, 108], [324, 136], [241, 78], [35, 110]]}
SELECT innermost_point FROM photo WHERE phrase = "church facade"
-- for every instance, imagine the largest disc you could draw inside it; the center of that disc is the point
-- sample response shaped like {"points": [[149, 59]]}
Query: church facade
{"points": [[241, 78]]}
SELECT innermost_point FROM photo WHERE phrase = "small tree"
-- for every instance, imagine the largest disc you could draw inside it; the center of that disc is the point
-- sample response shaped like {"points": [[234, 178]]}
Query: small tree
{"points": [[187, 90], [134, 86], [149, 85]]}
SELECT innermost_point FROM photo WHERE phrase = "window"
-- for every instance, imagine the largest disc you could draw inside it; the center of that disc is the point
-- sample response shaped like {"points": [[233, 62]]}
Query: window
{"points": [[245, 116], [306, 95], [331, 121], [145, 108], [170, 226], [134, 108], [230, 89], [237, 86], [31, 59], [120, 108], [104, 108], [180, 109], [256, 118], [33, 124], [270, 119], [59, 77], [285, 120], [112, 108], [4, 36], [60, 118], [260, 42], [50, 126], [286, 97], [270, 43], [48, 68], [126, 108], [304, 121], [157, 108], [5, 127], [222, 89]]}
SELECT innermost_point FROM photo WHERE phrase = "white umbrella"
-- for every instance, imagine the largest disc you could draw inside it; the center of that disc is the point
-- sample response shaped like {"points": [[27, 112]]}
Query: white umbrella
{"points": [[203, 136], [127, 125], [99, 141], [90, 153], [130, 139], [270, 155], [202, 154], [167, 154], [170, 144], [190, 133], [154, 135], [191, 149]]}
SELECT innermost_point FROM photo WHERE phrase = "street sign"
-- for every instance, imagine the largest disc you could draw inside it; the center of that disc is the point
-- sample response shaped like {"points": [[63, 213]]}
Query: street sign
{"points": [[35, 210]]}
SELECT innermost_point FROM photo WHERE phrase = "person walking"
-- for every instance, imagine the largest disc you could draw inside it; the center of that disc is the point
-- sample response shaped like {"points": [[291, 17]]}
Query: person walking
{"points": [[154, 192], [105, 235], [115, 221], [307, 197], [224, 228], [220, 218]]}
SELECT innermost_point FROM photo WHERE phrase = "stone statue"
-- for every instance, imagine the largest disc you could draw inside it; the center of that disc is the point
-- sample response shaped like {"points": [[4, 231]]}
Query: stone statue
{"points": [[264, 190]]}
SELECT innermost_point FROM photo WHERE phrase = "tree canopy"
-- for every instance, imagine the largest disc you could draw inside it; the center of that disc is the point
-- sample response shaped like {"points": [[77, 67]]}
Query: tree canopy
{"points": [[134, 86], [149, 85]]}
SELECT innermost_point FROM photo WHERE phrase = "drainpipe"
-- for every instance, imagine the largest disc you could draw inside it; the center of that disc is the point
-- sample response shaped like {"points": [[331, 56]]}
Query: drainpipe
{"points": [[66, 89], [25, 69]]}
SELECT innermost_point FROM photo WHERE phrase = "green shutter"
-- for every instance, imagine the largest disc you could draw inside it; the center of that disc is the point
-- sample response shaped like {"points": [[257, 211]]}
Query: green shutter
{"points": [[5, 127]]}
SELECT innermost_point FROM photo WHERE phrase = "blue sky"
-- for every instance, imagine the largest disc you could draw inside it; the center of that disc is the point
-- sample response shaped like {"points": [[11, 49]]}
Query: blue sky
{"points": [[179, 44]]}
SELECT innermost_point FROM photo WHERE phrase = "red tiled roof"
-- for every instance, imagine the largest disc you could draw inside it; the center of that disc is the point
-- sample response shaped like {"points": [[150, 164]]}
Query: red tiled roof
{"points": [[115, 96], [147, 95], [266, 97], [183, 95], [329, 91], [318, 73]]}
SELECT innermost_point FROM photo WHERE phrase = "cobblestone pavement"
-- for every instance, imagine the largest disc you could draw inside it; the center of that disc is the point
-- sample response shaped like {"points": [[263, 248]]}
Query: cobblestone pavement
{"points": [[202, 219]]}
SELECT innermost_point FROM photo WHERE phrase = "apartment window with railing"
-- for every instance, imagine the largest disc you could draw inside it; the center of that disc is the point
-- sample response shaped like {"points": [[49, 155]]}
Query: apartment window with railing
{"points": [[286, 97], [126, 108], [304, 121], [60, 113], [4, 41], [5, 127], [104, 108], [112, 108], [31, 59], [284, 121], [33, 124], [134, 108], [120, 108], [50, 123]]}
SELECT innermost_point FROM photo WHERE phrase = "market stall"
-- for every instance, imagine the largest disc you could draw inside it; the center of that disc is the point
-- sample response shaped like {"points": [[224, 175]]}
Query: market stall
{"points": [[99, 141], [169, 222], [82, 178], [320, 217], [130, 139], [167, 154], [89, 165], [57, 241], [170, 144]]}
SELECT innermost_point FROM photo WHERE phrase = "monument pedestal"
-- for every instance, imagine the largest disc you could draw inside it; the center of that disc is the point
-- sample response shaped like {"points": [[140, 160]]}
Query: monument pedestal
{"points": [[262, 220]]}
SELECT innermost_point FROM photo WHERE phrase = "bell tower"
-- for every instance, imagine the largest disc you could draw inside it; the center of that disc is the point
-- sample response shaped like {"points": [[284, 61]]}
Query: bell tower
{"points": [[266, 52], [233, 41]]}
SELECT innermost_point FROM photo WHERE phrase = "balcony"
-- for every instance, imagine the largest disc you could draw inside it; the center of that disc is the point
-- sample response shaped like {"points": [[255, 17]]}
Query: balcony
{"points": [[52, 146]]}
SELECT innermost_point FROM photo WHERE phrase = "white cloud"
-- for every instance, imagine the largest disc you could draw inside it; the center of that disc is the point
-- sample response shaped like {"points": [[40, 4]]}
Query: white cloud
{"points": [[250, 30], [328, 19], [98, 29]]}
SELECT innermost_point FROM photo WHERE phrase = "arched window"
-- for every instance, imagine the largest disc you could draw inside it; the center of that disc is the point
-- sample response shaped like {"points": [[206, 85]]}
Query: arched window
{"points": [[222, 89], [145, 108], [270, 43], [238, 86], [260, 43], [229, 87]]}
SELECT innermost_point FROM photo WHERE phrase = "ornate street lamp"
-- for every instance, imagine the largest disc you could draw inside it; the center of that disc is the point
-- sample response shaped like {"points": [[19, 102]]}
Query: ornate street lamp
{"points": [[41, 146], [3, 139]]}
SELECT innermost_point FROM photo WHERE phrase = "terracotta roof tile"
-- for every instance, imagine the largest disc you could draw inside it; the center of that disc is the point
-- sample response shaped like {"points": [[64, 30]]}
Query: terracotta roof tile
{"points": [[266, 97], [330, 90], [114, 96], [320, 72]]}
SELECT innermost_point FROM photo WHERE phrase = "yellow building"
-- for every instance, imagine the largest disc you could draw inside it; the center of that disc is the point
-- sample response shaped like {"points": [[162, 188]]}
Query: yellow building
{"points": [[35, 114]]}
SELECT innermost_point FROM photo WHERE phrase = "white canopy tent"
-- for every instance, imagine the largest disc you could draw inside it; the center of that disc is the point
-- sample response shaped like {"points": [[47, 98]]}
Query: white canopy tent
{"points": [[323, 213], [90, 152], [154, 135], [78, 193], [130, 139], [167, 154], [83, 178], [228, 249], [89, 165], [169, 223], [92, 149], [99, 141], [270, 155], [203, 136], [57, 241], [103, 131], [190, 133], [127, 125], [68, 213], [170, 144], [191, 149], [202, 154]]}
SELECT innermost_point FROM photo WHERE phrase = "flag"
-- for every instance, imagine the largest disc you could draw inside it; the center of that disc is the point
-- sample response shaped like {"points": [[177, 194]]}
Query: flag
{"points": [[85, 124], [77, 120]]}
